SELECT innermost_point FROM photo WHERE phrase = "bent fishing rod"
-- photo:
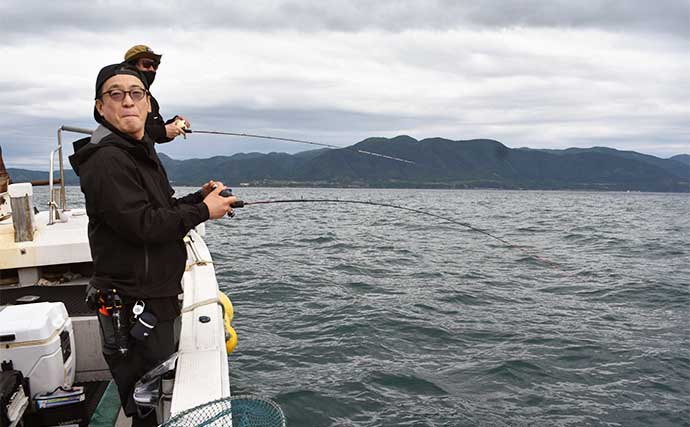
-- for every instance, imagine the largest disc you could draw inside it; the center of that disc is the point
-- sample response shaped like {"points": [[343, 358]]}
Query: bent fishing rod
{"points": [[240, 204], [301, 141]]}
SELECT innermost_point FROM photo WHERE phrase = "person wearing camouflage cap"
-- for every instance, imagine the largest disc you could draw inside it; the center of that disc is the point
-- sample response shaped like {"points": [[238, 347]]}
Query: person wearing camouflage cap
{"points": [[147, 61]]}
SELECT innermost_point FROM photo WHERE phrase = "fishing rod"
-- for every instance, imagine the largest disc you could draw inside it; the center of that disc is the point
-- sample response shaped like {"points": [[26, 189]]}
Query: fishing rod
{"points": [[240, 204], [301, 141]]}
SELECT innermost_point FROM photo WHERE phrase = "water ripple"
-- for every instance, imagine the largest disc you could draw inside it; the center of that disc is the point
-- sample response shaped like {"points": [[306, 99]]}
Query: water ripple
{"points": [[360, 316]]}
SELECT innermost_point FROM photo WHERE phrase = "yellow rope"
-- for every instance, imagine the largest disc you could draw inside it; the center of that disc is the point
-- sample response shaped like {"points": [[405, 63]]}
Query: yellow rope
{"points": [[200, 304], [202, 263]]}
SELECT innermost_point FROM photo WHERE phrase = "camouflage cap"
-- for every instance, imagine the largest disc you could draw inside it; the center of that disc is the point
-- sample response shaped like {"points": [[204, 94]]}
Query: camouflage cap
{"points": [[141, 51]]}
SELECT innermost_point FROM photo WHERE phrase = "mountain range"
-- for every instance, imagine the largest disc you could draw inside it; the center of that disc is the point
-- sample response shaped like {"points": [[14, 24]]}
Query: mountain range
{"points": [[436, 163]]}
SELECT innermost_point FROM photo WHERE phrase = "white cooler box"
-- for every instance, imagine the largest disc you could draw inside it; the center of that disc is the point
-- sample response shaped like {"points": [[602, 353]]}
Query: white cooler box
{"points": [[39, 340]]}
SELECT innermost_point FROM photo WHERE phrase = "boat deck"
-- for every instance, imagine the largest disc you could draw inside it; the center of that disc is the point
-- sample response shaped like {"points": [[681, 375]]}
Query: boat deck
{"points": [[56, 266]]}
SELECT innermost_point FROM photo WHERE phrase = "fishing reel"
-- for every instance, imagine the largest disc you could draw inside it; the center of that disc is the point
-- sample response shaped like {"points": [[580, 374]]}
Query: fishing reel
{"points": [[227, 192], [183, 127]]}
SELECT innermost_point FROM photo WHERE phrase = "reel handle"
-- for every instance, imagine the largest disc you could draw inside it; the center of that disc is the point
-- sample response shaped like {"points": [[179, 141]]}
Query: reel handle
{"points": [[182, 126]]}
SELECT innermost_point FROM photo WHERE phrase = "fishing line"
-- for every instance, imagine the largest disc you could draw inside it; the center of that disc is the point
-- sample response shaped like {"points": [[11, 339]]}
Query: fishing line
{"points": [[240, 203], [301, 141]]}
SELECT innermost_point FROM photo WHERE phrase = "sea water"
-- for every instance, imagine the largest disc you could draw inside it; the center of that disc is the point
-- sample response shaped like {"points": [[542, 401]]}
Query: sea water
{"points": [[352, 315]]}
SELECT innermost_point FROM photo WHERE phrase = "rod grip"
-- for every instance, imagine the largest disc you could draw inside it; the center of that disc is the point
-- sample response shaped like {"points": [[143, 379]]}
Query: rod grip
{"points": [[227, 192]]}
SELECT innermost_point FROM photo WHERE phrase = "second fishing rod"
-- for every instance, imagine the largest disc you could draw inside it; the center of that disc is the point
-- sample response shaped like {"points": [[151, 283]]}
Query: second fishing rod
{"points": [[181, 124]]}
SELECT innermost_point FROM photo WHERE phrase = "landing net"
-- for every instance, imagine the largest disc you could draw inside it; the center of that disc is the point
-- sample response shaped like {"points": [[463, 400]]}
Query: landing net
{"points": [[238, 411]]}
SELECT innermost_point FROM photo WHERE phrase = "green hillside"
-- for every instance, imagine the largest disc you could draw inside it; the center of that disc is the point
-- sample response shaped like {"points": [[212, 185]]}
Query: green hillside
{"points": [[438, 163]]}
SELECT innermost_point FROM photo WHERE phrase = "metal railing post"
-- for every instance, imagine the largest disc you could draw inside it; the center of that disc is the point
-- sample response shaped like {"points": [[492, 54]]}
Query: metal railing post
{"points": [[54, 210]]}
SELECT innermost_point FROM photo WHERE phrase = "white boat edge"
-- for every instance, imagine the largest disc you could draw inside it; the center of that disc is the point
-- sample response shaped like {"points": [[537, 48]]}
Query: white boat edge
{"points": [[202, 373]]}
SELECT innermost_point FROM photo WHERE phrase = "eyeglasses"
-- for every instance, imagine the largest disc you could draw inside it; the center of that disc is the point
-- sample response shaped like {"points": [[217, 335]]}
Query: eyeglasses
{"points": [[118, 95], [149, 63]]}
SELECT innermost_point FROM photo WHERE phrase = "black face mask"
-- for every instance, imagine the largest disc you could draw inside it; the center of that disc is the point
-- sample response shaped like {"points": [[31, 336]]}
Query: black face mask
{"points": [[150, 76]]}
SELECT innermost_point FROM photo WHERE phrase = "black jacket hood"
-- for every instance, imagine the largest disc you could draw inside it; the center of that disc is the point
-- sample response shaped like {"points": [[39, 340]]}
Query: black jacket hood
{"points": [[84, 148]]}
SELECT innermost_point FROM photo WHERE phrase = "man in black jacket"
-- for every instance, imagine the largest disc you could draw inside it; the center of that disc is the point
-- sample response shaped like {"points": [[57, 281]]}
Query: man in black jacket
{"points": [[136, 229], [147, 62]]}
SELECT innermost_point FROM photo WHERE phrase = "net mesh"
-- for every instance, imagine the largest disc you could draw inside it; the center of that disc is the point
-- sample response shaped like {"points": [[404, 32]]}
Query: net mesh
{"points": [[238, 411]]}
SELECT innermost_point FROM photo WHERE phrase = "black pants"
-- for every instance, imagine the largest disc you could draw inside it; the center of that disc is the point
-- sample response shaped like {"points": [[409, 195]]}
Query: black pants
{"points": [[141, 357]]}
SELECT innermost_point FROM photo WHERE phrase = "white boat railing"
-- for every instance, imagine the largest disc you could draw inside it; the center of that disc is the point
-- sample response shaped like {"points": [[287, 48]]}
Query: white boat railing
{"points": [[53, 208], [202, 373]]}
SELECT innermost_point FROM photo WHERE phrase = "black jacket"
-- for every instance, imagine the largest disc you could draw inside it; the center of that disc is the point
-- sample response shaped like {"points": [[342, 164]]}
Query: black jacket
{"points": [[155, 125], [136, 227]]}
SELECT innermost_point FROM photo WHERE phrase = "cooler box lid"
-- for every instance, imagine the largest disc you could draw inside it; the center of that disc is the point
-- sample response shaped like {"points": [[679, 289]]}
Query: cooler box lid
{"points": [[31, 322]]}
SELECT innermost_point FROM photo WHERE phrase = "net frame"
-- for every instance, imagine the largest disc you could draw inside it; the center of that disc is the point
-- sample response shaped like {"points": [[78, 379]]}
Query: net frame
{"points": [[219, 413]]}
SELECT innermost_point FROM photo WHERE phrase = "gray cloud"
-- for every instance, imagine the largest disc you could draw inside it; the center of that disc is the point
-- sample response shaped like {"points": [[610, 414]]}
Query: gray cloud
{"points": [[539, 74], [33, 16], [26, 143]]}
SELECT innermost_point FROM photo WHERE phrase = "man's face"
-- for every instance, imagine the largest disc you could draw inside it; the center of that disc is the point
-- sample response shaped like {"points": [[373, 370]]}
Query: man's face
{"points": [[147, 64], [127, 115]]}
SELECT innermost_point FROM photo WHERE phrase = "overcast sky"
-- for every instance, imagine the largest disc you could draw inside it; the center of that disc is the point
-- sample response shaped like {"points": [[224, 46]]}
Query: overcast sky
{"points": [[529, 73]]}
